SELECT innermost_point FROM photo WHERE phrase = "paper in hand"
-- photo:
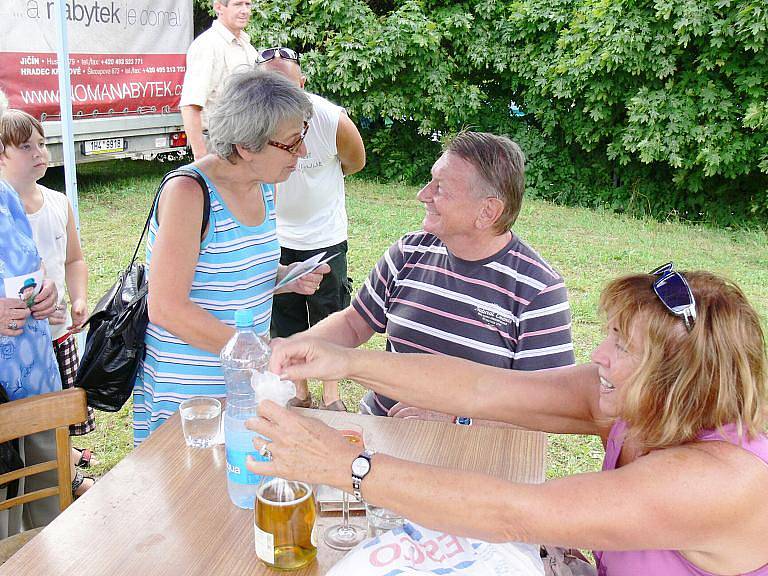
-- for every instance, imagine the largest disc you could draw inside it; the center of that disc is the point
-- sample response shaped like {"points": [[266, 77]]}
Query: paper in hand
{"points": [[25, 287], [303, 268]]}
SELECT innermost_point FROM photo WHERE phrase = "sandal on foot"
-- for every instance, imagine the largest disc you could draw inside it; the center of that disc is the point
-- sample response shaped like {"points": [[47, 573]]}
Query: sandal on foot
{"points": [[301, 402], [78, 482], [336, 405], [85, 458]]}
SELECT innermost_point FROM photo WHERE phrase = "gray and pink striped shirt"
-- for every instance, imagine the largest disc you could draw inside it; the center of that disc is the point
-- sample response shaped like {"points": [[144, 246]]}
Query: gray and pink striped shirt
{"points": [[510, 310]]}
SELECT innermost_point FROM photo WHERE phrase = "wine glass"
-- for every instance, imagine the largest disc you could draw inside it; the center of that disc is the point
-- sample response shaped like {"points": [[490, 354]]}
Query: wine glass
{"points": [[346, 536]]}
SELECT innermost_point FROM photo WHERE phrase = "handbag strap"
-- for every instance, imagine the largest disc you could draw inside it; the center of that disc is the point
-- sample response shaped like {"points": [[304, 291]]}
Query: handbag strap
{"points": [[189, 173]]}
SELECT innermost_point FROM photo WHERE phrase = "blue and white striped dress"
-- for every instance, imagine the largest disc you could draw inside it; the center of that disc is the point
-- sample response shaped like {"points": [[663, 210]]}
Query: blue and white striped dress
{"points": [[236, 268]]}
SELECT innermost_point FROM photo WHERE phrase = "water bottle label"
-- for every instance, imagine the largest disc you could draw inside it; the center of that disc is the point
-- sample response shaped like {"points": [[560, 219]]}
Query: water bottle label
{"points": [[265, 545], [237, 471]]}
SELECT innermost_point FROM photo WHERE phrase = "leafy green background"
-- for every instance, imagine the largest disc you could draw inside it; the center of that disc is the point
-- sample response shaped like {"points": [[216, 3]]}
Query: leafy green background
{"points": [[647, 107]]}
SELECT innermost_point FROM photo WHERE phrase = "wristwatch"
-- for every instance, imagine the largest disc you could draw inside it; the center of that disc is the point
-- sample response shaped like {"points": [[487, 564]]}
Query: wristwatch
{"points": [[463, 420], [361, 466]]}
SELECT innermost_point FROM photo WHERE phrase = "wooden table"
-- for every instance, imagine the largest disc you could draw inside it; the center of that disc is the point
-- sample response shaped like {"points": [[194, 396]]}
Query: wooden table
{"points": [[164, 509]]}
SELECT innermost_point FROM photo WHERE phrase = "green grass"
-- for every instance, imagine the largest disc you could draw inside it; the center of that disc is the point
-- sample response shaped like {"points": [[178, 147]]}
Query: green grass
{"points": [[588, 247]]}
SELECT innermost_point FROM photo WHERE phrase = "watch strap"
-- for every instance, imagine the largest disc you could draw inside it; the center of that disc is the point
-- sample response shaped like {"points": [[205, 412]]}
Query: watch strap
{"points": [[357, 480]]}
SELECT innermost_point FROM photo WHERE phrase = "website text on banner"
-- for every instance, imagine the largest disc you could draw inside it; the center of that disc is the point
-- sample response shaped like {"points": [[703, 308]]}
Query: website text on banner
{"points": [[125, 57]]}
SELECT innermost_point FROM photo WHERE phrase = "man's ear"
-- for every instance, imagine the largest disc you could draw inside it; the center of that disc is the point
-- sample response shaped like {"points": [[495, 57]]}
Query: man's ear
{"points": [[217, 8], [302, 81], [489, 213]]}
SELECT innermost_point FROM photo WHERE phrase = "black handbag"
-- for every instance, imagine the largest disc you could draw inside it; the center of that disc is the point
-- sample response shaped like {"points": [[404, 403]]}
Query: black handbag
{"points": [[114, 346]]}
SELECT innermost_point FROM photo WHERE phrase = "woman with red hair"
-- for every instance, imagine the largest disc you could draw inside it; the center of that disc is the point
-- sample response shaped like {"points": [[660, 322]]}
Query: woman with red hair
{"points": [[676, 391]]}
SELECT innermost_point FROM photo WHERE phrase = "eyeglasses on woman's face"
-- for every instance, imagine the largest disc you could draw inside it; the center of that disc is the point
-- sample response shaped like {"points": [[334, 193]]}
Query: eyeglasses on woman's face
{"points": [[294, 147]]}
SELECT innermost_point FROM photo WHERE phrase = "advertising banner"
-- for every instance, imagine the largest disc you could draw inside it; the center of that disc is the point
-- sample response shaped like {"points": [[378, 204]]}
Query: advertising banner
{"points": [[126, 57]]}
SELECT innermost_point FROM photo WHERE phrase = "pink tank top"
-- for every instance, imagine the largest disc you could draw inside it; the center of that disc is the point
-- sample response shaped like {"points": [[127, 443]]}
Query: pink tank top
{"points": [[666, 562]]}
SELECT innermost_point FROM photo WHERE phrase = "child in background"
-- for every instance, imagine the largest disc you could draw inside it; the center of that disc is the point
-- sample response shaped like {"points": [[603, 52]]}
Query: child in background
{"points": [[24, 162]]}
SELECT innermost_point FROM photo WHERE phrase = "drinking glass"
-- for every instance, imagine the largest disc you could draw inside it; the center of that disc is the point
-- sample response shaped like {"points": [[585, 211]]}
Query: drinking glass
{"points": [[200, 421], [381, 520], [285, 523], [346, 536]]}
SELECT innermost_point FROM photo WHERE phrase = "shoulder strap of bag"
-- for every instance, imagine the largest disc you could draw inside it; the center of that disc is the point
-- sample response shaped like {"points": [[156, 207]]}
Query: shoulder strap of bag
{"points": [[169, 176]]}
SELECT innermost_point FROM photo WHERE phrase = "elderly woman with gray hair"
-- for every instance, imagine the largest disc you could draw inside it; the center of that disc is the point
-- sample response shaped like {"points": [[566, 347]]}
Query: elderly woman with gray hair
{"points": [[197, 281]]}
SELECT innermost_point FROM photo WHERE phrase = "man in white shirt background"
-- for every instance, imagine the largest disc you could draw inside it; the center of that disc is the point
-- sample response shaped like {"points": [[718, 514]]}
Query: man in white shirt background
{"points": [[312, 216], [211, 58]]}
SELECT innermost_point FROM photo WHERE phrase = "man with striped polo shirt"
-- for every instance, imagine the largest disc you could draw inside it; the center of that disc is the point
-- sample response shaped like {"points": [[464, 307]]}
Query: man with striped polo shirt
{"points": [[465, 285]]}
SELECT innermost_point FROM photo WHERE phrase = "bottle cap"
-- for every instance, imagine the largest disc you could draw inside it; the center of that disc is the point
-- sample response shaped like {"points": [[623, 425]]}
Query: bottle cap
{"points": [[243, 318]]}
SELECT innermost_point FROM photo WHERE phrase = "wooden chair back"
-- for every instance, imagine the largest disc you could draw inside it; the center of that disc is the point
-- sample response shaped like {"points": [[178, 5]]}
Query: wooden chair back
{"points": [[53, 411]]}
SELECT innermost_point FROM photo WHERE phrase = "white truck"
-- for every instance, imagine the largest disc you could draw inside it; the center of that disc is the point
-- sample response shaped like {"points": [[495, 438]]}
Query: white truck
{"points": [[127, 62]]}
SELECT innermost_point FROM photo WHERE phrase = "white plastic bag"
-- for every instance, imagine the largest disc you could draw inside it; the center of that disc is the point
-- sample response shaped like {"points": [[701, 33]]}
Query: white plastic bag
{"points": [[268, 386], [415, 550]]}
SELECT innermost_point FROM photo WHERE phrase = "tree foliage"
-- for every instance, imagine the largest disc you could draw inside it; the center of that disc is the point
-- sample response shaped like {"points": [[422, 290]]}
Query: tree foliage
{"points": [[657, 105]]}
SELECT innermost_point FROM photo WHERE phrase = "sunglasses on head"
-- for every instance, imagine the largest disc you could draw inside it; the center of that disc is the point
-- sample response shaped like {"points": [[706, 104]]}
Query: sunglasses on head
{"points": [[674, 292], [268, 54]]}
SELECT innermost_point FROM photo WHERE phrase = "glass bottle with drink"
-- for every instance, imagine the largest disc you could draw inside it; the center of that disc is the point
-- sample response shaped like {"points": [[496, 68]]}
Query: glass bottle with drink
{"points": [[284, 523], [243, 359], [346, 536]]}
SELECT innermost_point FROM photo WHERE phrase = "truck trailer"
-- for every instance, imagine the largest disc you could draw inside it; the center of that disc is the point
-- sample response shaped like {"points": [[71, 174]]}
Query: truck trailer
{"points": [[127, 61]]}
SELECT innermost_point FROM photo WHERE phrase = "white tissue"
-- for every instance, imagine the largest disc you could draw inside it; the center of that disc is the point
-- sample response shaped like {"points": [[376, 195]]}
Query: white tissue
{"points": [[268, 386]]}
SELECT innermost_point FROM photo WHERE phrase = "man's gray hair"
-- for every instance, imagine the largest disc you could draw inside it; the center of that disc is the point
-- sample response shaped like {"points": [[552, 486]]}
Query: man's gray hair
{"points": [[500, 166], [253, 106]]}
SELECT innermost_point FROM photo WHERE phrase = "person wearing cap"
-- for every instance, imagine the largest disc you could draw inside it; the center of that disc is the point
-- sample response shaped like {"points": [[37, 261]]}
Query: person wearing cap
{"points": [[211, 58], [312, 217]]}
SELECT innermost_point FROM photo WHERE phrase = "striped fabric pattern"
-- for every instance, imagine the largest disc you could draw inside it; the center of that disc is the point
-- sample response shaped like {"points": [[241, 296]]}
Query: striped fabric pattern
{"points": [[236, 268], [510, 310]]}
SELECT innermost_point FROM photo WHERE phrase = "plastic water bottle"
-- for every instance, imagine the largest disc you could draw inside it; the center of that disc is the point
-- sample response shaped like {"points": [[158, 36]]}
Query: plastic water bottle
{"points": [[245, 355]]}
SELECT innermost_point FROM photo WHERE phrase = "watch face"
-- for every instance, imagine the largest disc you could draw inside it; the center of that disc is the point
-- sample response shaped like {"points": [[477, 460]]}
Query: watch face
{"points": [[360, 466]]}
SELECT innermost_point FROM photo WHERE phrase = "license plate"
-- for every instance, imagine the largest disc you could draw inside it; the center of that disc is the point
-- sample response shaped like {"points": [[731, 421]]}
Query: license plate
{"points": [[104, 146]]}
